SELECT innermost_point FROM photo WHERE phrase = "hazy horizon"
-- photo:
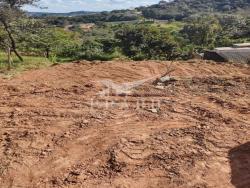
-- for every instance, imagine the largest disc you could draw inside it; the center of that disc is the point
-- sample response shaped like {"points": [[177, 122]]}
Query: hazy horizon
{"points": [[65, 6]]}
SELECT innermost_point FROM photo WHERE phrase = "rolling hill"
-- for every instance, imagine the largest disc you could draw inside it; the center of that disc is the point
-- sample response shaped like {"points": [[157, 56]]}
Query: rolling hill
{"points": [[179, 9], [69, 14], [173, 10]]}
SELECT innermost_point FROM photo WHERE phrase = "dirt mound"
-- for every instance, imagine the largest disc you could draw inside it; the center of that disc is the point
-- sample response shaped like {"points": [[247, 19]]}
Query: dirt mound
{"points": [[100, 124]]}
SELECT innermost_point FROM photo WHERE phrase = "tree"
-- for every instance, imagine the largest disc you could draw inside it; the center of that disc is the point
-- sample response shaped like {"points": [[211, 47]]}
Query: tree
{"points": [[202, 31], [4, 45], [57, 41], [10, 13], [145, 42]]}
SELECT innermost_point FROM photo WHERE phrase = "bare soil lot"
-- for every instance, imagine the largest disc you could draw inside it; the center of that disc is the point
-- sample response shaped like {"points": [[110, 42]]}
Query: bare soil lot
{"points": [[58, 131]]}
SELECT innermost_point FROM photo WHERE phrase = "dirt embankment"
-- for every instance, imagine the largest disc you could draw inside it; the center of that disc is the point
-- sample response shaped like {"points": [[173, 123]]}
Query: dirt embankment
{"points": [[59, 128]]}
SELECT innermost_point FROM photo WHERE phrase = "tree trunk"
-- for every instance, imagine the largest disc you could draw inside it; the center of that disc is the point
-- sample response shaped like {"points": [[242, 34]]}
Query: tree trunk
{"points": [[18, 55], [12, 40], [9, 58], [47, 53]]}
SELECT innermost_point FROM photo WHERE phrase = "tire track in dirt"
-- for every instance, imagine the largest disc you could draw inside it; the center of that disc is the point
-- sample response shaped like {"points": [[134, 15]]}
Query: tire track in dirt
{"points": [[50, 134]]}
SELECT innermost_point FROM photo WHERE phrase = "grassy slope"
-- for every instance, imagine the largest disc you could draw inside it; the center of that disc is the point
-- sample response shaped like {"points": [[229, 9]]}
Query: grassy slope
{"points": [[170, 26], [17, 66]]}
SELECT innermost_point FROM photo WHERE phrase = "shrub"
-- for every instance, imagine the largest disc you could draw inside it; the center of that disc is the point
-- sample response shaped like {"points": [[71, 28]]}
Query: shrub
{"points": [[145, 42]]}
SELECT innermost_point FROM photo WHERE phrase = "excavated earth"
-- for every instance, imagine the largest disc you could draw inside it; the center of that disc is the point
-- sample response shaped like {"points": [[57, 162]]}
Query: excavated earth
{"points": [[64, 127]]}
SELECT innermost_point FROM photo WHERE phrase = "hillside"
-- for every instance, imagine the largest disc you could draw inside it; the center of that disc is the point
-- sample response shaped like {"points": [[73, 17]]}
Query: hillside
{"points": [[179, 9], [69, 14], [112, 16]]}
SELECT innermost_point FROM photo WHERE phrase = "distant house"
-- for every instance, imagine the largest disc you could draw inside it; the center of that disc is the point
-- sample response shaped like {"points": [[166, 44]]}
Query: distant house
{"points": [[239, 53], [162, 3], [242, 45]]}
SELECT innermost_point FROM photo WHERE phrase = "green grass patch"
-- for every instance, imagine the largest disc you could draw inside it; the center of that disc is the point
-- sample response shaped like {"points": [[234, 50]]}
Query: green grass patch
{"points": [[29, 63], [170, 26]]}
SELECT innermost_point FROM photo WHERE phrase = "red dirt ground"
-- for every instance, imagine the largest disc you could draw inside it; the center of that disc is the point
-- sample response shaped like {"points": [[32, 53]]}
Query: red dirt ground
{"points": [[56, 131]]}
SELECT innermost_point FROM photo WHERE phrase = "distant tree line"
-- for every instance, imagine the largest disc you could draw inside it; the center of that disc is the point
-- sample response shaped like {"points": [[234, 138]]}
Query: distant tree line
{"points": [[174, 10], [113, 16], [181, 9]]}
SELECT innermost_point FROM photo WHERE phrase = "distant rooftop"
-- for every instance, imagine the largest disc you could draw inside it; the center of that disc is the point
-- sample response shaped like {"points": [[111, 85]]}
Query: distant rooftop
{"points": [[232, 49], [240, 54], [241, 45], [224, 48]]}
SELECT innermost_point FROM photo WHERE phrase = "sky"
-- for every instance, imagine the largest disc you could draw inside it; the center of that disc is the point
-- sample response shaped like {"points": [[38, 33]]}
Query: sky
{"points": [[88, 5]]}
